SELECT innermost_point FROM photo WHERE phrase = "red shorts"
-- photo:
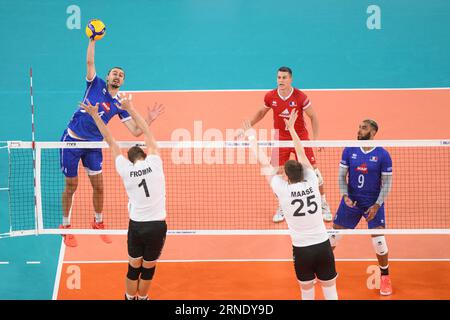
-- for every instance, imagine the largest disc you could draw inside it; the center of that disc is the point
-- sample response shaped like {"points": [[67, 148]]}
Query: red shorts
{"points": [[281, 155]]}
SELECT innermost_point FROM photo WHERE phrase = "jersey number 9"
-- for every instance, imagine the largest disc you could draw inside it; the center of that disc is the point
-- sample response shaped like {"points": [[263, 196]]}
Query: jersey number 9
{"points": [[360, 181]]}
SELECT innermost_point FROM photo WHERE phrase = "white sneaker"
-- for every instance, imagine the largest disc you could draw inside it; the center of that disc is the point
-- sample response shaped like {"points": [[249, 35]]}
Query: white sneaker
{"points": [[278, 216], [326, 212]]}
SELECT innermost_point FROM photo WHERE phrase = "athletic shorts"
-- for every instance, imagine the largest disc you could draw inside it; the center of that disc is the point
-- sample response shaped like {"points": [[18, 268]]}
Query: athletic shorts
{"points": [[349, 218], [146, 239], [314, 261], [69, 158], [281, 155]]}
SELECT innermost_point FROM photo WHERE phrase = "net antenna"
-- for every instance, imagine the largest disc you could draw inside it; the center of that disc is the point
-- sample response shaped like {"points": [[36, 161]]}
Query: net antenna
{"points": [[33, 147]]}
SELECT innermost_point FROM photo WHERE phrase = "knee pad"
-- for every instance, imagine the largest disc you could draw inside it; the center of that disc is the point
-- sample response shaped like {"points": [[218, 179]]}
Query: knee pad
{"points": [[380, 245], [334, 238], [133, 273], [319, 176], [147, 273]]}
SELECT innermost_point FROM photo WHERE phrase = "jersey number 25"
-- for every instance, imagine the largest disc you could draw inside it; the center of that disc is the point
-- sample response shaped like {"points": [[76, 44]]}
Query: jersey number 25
{"points": [[309, 203]]}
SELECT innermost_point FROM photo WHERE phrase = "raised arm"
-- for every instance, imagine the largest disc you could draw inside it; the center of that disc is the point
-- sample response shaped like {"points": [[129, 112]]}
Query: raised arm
{"points": [[262, 158], [295, 138], [90, 60], [127, 104], [93, 111]]}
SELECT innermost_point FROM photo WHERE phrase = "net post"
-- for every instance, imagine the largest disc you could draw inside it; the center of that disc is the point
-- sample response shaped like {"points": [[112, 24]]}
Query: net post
{"points": [[9, 189]]}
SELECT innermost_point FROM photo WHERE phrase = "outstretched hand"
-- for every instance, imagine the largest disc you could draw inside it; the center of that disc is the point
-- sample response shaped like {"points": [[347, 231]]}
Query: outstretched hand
{"points": [[292, 118], [126, 102], [89, 108], [240, 133], [155, 112], [248, 130]]}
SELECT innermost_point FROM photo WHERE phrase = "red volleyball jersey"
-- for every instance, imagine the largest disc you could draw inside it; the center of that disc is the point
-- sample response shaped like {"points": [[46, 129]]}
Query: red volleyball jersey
{"points": [[282, 109]]}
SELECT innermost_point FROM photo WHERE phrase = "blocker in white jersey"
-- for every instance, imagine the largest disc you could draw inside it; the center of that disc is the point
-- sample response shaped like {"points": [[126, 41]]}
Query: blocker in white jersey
{"points": [[143, 177], [301, 203], [302, 208], [145, 185]]}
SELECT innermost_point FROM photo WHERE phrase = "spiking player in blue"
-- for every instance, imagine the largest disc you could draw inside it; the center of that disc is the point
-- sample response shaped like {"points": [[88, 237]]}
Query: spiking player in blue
{"points": [[83, 128], [369, 171]]}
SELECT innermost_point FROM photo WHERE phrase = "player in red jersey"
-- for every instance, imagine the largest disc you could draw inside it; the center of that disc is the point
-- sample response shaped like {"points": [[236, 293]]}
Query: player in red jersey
{"points": [[282, 101]]}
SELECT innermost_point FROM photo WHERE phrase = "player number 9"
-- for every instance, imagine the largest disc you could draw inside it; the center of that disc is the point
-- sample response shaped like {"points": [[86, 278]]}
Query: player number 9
{"points": [[360, 181]]}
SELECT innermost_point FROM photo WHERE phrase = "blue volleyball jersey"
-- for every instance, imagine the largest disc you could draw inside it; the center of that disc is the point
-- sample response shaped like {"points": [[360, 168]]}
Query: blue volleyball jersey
{"points": [[365, 169], [82, 123]]}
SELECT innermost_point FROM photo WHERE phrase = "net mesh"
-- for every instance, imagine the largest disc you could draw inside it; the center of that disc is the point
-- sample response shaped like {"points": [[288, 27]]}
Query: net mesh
{"points": [[223, 189], [21, 190]]}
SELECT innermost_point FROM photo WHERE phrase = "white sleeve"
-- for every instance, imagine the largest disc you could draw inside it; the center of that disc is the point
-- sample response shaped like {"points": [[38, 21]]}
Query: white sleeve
{"points": [[154, 160], [311, 176], [121, 165], [277, 183]]}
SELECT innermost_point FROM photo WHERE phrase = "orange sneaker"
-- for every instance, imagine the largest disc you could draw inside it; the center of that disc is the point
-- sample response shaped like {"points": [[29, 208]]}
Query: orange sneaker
{"points": [[101, 226], [69, 239], [385, 286]]}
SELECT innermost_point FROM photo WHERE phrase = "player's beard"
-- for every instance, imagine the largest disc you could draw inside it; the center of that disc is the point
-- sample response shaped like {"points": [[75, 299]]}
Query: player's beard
{"points": [[112, 85], [366, 137]]}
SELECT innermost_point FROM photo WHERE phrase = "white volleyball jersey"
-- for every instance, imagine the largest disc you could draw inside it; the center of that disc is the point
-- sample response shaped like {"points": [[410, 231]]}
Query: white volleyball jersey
{"points": [[146, 188], [302, 207]]}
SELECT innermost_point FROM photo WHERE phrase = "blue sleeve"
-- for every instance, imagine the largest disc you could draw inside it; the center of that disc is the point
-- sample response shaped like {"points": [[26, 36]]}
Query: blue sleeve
{"points": [[344, 160], [93, 82], [386, 163], [96, 85], [124, 115]]}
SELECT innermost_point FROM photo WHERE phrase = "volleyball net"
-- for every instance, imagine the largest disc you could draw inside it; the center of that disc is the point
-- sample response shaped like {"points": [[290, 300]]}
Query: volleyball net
{"points": [[216, 187]]}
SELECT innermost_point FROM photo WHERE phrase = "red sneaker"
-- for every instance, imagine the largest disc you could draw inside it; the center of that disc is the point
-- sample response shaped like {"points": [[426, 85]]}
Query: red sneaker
{"points": [[69, 239], [385, 286], [101, 226]]}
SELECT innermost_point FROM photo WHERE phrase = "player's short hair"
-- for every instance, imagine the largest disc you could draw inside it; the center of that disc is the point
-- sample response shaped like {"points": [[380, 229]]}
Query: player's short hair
{"points": [[294, 171], [120, 68], [285, 69], [135, 153], [372, 123]]}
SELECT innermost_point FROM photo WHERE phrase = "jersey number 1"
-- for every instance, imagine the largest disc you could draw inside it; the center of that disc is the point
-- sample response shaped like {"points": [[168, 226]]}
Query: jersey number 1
{"points": [[309, 203], [144, 184]]}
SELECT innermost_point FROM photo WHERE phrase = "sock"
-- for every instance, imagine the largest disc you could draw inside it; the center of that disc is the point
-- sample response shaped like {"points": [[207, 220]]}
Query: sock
{"points": [[307, 294], [66, 221], [98, 217], [128, 296], [384, 270], [143, 298], [330, 292]]}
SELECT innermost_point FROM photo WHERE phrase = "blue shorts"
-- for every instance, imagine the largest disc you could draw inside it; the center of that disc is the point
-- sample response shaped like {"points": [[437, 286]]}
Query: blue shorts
{"points": [[349, 218], [69, 158]]}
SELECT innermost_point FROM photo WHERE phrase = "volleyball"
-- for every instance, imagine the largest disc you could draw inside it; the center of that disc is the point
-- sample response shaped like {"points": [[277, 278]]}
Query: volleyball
{"points": [[95, 29]]}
